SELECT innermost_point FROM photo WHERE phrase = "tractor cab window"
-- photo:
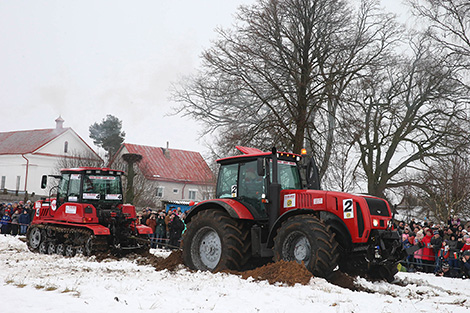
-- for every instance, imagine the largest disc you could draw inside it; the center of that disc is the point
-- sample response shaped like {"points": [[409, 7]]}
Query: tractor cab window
{"points": [[227, 182], [288, 175], [63, 188], [102, 187], [74, 187]]}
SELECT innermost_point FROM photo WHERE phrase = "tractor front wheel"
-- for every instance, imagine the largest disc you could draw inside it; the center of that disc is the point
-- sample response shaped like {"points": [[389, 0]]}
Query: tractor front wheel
{"points": [[214, 241], [305, 239]]}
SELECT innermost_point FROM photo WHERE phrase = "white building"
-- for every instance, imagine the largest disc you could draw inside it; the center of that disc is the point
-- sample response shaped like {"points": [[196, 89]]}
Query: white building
{"points": [[27, 155]]}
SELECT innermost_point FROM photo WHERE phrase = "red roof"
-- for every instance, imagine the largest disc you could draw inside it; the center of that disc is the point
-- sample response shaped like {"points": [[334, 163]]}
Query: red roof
{"points": [[177, 165], [27, 141]]}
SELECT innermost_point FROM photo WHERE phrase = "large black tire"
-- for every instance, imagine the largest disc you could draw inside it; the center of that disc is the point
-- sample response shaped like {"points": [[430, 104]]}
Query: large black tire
{"points": [[214, 241], [305, 239]]}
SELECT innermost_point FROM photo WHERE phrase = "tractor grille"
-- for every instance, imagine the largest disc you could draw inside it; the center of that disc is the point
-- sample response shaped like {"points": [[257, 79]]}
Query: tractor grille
{"points": [[360, 220], [305, 200], [377, 207]]}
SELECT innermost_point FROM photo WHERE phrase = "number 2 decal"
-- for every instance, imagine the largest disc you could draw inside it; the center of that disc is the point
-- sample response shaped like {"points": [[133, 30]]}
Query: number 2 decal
{"points": [[348, 211]]}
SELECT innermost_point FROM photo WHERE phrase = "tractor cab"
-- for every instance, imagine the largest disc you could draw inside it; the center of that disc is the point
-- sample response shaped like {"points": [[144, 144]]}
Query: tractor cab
{"points": [[247, 179], [98, 187]]}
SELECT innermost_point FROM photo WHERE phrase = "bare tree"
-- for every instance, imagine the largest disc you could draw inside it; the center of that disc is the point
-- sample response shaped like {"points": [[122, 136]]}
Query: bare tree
{"points": [[144, 191], [445, 186], [77, 159], [448, 22], [410, 112], [279, 76]]}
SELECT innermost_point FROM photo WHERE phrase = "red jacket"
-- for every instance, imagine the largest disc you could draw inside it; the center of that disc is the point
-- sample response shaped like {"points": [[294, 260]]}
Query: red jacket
{"points": [[428, 252]]}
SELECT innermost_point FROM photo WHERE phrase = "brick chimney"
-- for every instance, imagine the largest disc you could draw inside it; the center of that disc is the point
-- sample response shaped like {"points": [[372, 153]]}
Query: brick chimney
{"points": [[59, 123], [166, 152]]}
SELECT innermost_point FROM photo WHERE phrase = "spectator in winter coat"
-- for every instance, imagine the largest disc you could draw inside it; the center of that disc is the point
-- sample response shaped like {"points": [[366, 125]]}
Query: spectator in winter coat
{"points": [[15, 222], [176, 227], [453, 252], [160, 229], [465, 264], [167, 222], [24, 221], [428, 252], [6, 220], [466, 246], [152, 223], [436, 244], [445, 271], [419, 253]]}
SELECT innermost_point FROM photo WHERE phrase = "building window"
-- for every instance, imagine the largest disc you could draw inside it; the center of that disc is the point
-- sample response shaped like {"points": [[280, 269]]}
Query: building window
{"points": [[4, 179], [192, 194], [18, 180], [175, 190], [66, 146], [159, 192]]}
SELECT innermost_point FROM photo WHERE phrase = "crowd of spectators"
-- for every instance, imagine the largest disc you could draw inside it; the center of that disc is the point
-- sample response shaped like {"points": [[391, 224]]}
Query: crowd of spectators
{"points": [[167, 226], [442, 249], [15, 217]]}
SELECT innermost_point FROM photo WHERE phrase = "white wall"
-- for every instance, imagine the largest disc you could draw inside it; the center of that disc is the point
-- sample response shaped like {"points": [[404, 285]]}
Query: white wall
{"points": [[41, 162]]}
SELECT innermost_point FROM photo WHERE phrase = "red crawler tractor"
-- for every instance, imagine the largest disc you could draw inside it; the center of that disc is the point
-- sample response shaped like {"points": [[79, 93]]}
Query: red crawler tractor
{"points": [[269, 205], [87, 216]]}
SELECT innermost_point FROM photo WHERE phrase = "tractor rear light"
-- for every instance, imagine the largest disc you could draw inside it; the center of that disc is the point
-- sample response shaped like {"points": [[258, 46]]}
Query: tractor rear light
{"points": [[375, 222], [87, 219]]}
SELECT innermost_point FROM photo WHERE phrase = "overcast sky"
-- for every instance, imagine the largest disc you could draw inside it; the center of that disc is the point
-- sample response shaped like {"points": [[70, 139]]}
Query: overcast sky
{"points": [[88, 58]]}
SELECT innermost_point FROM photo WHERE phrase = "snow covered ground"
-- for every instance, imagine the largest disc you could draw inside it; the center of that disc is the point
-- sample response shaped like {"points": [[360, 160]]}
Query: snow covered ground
{"points": [[32, 282]]}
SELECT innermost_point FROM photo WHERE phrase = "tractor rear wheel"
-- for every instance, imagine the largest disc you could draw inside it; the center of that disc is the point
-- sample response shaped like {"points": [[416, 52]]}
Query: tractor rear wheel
{"points": [[214, 241], [305, 239]]}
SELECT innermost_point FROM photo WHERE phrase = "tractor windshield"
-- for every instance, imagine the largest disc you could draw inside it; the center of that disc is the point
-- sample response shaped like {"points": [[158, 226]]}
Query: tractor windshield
{"points": [[102, 187]]}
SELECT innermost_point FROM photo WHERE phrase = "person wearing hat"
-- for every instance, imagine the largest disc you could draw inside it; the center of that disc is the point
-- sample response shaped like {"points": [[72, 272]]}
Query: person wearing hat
{"points": [[466, 245], [445, 270], [436, 244], [465, 264]]}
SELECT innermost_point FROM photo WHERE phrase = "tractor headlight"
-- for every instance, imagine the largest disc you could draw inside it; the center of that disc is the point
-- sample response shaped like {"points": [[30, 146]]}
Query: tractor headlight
{"points": [[375, 222]]}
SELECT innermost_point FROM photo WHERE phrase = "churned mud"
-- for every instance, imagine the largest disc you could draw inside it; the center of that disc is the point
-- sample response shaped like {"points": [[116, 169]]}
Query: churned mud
{"points": [[282, 272]]}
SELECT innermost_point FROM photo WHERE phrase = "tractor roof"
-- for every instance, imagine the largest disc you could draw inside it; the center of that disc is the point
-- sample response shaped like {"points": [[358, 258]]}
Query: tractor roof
{"points": [[254, 153], [91, 169]]}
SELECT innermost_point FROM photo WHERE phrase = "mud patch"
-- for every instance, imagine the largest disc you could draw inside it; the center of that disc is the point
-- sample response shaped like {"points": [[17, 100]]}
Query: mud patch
{"points": [[343, 280], [285, 272], [170, 263], [282, 272]]}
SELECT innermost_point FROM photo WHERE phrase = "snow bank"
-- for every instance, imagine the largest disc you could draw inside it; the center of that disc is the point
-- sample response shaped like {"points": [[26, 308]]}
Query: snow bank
{"points": [[50, 283]]}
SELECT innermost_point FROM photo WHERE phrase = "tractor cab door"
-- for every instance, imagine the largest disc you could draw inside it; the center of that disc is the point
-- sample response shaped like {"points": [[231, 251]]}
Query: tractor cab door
{"points": [[251, 187], [241, 182]]}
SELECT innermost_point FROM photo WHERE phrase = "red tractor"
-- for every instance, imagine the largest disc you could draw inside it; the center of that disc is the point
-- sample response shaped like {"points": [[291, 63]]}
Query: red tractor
{"points": [[87, 216], [269, 205]]}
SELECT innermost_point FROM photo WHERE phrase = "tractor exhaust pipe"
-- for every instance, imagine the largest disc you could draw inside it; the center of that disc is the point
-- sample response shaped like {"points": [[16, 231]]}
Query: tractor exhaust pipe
{"points": [[274, 193]]}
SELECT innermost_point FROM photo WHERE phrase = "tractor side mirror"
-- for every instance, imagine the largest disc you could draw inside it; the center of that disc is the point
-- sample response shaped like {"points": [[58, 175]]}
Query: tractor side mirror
{"points": [[43, 181], [260, 167]]}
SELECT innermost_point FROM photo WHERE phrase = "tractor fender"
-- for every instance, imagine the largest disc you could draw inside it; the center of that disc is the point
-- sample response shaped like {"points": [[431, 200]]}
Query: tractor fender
{"points": [[234, 208], [338, 227], [342, 235]]}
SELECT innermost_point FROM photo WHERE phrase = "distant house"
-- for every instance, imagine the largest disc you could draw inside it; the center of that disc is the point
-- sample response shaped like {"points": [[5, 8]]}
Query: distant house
{"points": [[27, 155], [171, 174]]}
